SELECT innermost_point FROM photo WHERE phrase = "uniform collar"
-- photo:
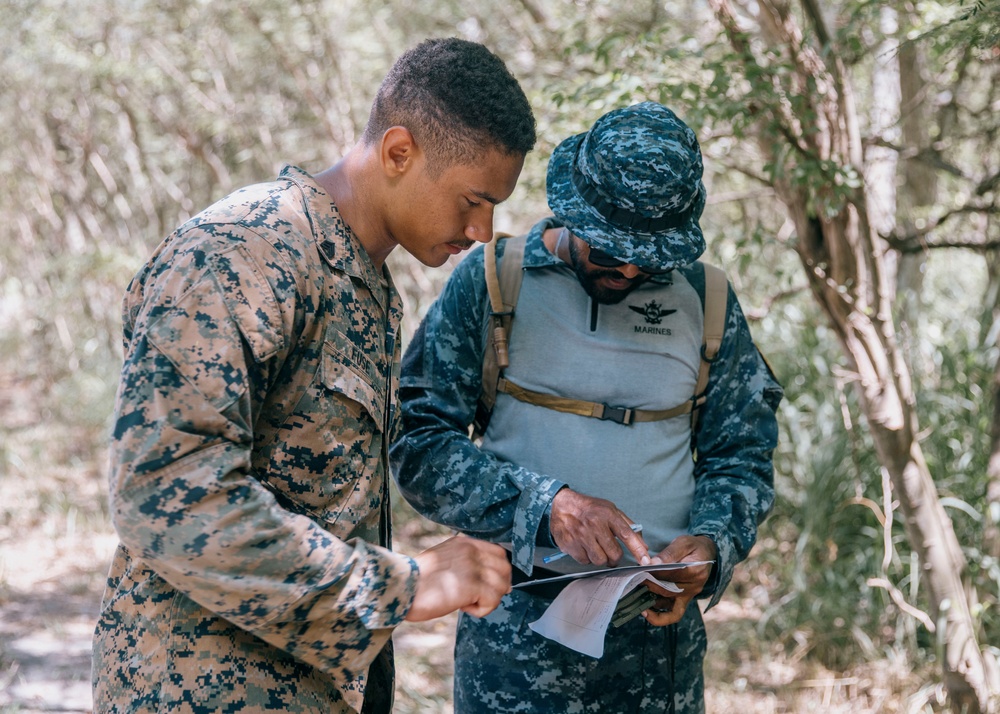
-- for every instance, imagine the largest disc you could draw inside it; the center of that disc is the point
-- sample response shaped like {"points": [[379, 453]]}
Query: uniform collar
{"points": [[335, 240], [536, 255]]}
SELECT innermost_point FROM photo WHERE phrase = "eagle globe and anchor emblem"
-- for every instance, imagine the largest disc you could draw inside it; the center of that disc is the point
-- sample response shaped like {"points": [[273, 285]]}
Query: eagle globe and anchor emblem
{"points": [[652, 311]]}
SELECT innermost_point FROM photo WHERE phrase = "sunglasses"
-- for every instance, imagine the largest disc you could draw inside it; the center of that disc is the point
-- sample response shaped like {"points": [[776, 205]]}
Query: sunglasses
{"points": [[602, 259]]}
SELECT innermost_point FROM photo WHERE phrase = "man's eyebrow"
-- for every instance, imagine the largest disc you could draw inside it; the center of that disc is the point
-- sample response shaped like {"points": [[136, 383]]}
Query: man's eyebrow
{"points": [[486, 196]]}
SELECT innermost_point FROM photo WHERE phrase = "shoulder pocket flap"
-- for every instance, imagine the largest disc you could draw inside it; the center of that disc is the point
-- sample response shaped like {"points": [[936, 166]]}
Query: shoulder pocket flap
{"points": [[249, 299], [202, 344], [353, 379]]}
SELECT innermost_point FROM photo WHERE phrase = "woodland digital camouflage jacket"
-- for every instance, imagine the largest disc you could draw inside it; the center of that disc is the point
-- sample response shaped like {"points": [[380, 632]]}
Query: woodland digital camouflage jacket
{"points": [[248, 475]]}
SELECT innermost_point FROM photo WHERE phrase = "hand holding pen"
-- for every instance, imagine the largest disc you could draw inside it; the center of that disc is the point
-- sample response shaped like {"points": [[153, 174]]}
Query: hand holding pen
{"points": [[593, 530], [636, 528]]}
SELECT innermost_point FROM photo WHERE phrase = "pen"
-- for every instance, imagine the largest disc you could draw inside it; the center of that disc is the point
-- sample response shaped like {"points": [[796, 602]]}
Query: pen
{"points": [[636, 528]]}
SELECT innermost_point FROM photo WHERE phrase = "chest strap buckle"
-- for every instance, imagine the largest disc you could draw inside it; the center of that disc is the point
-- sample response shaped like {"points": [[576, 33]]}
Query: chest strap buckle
{"points": [[620, 415]]}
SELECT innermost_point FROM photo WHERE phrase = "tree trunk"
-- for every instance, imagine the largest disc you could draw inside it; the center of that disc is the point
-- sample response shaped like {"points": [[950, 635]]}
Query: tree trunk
{"points": [[919, 186], [845, 265], [991, 535], [886, 399]]}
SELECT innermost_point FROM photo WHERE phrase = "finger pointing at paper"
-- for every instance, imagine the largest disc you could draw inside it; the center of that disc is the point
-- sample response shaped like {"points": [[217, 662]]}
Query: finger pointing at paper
{"points": [[589, 529]]}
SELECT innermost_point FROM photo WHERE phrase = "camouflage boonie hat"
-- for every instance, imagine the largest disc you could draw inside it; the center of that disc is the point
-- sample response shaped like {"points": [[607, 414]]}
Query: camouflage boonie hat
{"points": [[631, 187]]}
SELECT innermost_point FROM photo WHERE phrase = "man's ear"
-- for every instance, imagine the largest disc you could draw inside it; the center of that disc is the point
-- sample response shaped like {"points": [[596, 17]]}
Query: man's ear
{"points": [[399, 151]]}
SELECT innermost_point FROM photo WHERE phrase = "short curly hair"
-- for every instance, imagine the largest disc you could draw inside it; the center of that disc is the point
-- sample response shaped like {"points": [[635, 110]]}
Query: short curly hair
{"points": [[457, 99]]}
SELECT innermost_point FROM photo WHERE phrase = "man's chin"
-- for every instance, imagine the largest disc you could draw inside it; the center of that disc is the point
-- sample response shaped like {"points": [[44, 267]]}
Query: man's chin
{"points": [[435, 261], [595, 283], [432, 259], [610, 297], [606, 295]]}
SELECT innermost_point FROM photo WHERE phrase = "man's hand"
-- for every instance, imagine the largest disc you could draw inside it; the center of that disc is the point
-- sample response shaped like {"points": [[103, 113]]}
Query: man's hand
{"points": [[669, 607], [460, 573], [588, 529]]}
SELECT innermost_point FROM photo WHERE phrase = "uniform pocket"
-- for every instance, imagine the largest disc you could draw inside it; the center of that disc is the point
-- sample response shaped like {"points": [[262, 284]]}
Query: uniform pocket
{"points": [[249, 299], [347, 370], [324, 461]]}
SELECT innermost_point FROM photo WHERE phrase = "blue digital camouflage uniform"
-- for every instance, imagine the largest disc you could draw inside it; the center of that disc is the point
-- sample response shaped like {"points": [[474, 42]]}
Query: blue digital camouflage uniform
{"points": [[249, 475], [501, 665]]}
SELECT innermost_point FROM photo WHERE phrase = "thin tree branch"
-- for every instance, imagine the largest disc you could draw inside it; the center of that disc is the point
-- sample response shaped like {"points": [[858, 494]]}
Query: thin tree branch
{"points": [[926, 155], [916, 247], [536, 13], [815, 15], [755, 314], [988, 184], [897, 597], [914, 242]]}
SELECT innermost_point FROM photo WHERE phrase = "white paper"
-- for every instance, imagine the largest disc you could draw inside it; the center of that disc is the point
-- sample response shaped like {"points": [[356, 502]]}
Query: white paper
{"points": [[579, 616]]}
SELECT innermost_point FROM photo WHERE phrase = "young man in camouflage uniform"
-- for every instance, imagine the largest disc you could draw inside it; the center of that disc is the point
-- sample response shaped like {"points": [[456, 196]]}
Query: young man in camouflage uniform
{"points": [[249, 462], [610, 311]]}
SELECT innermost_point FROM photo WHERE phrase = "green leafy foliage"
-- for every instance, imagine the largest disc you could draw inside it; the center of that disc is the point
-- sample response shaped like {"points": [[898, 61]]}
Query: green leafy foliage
{"points": [[844, 569]]}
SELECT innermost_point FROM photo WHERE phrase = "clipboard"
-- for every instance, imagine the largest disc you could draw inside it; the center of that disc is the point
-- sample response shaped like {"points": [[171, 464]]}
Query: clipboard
{"points": [[548, 579]]}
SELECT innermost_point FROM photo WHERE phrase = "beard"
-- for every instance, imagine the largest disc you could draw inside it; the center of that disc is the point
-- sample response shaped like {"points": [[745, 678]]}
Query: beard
{"points": [[589, 277]]}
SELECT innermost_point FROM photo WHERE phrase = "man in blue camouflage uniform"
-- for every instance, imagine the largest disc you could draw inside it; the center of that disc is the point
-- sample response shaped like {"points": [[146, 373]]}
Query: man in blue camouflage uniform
{"points": [[610, 311], [249, 461]]}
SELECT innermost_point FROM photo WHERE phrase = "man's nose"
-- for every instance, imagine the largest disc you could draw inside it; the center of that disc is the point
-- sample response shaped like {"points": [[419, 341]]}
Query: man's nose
{"points": [[629, 271], [480, 228]]}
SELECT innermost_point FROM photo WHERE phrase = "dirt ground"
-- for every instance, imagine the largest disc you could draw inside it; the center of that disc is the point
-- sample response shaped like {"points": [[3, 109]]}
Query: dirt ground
{"points": [[52, 590]]}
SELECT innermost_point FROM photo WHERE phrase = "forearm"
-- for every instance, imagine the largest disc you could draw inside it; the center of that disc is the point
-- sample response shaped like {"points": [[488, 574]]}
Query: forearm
{"points": [[728, 511], [213, 532], [452, 481]]}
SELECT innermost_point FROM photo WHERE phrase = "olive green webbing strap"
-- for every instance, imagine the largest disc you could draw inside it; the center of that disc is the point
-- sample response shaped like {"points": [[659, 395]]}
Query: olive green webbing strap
{"points": [[622, 415], [503, 289], [716, 297]]}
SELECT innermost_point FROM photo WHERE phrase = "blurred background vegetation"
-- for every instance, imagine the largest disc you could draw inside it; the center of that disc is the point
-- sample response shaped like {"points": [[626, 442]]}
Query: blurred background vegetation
{"points": [[119, 119]]}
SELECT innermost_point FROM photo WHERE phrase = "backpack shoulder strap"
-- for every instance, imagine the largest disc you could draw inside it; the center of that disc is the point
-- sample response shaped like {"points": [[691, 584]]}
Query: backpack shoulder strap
{"points": [[716, 299], [503, 286]]}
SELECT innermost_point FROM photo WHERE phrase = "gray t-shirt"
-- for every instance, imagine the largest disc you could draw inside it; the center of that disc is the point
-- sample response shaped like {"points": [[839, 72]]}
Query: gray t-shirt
{"points": [[641, 353]]}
